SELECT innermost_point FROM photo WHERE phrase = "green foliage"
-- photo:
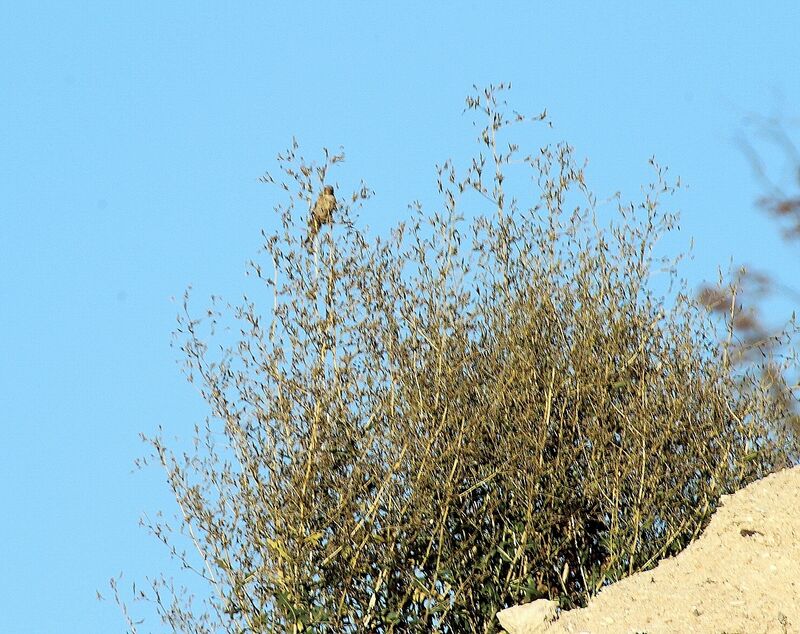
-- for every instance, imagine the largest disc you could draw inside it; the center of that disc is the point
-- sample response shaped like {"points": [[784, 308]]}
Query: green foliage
{"points": [[469, 414]]}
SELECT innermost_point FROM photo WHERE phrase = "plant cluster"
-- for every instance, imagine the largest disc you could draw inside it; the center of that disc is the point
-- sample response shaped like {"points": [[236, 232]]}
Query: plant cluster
{"points": [[488, 406]]}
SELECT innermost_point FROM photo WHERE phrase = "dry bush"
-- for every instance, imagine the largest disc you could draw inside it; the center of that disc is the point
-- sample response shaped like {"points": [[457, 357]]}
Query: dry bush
{"points": [[469, 414], [747, 298]]}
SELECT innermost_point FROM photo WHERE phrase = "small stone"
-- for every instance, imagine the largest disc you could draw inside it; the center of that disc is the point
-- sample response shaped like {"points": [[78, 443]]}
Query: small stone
{"points": [[530, 618]]}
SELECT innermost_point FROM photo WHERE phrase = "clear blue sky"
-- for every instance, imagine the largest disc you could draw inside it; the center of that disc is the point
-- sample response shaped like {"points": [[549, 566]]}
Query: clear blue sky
{"points": [[131, 138]]}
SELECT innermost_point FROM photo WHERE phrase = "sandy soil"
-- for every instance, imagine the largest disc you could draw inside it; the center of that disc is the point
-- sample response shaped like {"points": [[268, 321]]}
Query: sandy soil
{"points": [[742, 576]]}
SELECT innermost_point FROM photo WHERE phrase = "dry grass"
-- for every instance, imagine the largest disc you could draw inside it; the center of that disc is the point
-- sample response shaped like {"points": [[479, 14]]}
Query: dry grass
{"points": [[465, 415]]}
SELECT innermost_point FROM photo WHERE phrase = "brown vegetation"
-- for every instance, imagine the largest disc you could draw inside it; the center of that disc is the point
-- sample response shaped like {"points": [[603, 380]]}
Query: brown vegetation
{"points": [[469, 414]]}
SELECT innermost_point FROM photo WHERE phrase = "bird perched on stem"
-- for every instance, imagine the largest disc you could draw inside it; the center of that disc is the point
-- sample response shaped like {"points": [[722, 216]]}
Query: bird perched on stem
{"points": [[321, 213]]}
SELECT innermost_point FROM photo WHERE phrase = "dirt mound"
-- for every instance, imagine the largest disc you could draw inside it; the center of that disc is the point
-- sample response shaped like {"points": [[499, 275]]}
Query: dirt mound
{"points": [[741, 576]]}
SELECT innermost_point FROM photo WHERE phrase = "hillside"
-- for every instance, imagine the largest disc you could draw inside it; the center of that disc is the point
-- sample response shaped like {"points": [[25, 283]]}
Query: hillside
{"points": [[741, 576]]}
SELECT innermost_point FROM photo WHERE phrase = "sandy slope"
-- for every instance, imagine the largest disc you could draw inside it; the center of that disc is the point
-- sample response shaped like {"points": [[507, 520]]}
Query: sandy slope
{"points": [[741, 576]]}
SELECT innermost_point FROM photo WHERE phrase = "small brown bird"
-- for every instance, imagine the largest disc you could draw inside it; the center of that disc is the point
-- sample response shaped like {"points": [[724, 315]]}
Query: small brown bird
{"points": [[321, 213]]}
